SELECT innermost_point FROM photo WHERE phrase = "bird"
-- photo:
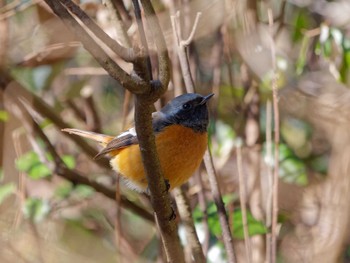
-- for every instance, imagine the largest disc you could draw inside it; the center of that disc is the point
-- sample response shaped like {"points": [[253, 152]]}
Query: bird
{"points": [[180, 130]]}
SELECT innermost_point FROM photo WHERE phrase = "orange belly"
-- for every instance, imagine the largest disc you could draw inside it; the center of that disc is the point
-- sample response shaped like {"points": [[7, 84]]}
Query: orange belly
{"points": [[180, 151]]}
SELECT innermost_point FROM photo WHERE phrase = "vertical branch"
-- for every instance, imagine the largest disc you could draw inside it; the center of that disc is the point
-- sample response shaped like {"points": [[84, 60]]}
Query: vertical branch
{"points": [[159, 195], [187, 220], [269, 177], [181, 48], [122, 35], [147, 92], [225, 227], [203, 206], [243, 202], [141, 29], [162, 51], [276, 143], [3, 54], [228, 242], [160, 199]]}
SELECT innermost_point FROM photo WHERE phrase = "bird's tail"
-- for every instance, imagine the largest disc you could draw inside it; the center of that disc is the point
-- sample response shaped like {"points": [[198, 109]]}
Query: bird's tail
{"points": [[100, 138]]}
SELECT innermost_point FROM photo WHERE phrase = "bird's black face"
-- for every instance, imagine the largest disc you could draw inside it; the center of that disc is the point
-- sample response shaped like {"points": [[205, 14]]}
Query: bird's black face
{"points": [[189, 110]]}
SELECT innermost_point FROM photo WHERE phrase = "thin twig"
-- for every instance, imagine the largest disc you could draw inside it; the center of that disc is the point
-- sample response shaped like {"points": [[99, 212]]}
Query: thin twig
{"points": [[133, 83], [122, 35], [21, 189], [125, 15], [162, 51], [4, 38], [78, 113], [225, 227], [193, 31], [276, 144], [190, 229], [126, 54], [181, 46], [126, 104], [243, 202], [281, 19], [269, 177], [13, 10], [203, 206], [181, 49], [141, 29], [45, 110], [92, 118]]}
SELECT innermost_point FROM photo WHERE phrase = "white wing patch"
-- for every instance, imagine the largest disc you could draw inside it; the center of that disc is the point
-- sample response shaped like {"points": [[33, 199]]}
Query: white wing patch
{"points": [[131, 132]]}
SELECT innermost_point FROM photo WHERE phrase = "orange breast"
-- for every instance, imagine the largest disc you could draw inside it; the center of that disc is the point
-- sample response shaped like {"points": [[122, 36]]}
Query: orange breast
{"points": [[180, 151]]}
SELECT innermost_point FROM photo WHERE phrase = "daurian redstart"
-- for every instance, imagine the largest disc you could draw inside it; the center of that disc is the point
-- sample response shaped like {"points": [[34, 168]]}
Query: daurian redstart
{"points": [[180, 129]]}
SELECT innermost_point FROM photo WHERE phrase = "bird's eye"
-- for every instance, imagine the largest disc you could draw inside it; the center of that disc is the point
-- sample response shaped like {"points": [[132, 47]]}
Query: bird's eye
{"points": [[187, 106]]}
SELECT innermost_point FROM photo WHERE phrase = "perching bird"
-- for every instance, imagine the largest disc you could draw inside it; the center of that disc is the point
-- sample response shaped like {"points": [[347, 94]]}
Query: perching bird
{"points": [[180, 129]]}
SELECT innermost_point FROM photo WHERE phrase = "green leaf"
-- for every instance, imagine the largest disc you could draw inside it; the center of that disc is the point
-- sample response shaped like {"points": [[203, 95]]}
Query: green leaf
{"points": [[4, 116], [6, 190], [301, 23], [69, 161], [36, 209], [31, 164], [25, 162], [39, 171], [255, 227], [83, 191], [213, 219]]}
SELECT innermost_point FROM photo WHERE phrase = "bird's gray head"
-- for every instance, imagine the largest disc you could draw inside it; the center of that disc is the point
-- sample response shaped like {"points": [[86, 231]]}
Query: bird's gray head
{"points": [[189, 110]]}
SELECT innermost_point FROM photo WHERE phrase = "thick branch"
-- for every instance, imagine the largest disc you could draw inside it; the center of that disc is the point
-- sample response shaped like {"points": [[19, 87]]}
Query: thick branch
{"points": [[159, 195]]}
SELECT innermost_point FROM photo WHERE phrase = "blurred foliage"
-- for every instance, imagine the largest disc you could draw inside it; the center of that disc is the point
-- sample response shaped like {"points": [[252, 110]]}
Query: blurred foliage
{"points": [[254, 226], [31, 164], [36, 209], [6, 190]]}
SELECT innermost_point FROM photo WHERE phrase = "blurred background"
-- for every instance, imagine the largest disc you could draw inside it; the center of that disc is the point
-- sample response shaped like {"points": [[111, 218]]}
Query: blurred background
{"points": [[58, 204]]}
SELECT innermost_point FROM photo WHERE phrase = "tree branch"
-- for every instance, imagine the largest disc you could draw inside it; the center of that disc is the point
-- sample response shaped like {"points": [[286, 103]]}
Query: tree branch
{"points": [[71, 175], [225, 226], [148, 73], [125, 53], [184, 208], [132, 83], [159, 195], [146, 94], [163, 57], [40, 106]]}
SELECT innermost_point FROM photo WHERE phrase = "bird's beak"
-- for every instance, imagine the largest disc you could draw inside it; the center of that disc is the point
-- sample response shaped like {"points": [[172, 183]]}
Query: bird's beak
{"points": [[206, 98]]}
